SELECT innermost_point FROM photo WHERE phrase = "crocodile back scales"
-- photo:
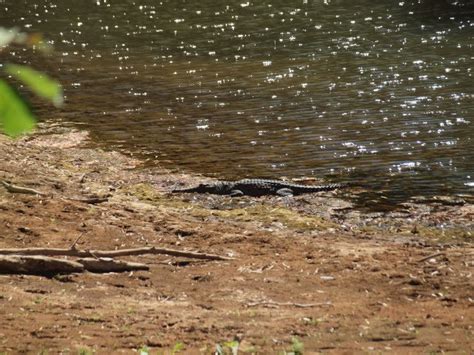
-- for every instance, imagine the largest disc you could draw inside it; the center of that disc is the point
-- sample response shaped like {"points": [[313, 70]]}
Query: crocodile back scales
{"points": [[259, 187]]}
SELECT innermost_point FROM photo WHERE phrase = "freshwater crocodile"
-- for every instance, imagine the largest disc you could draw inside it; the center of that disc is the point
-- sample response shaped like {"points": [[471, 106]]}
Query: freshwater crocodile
{"points": [[258, 187]]}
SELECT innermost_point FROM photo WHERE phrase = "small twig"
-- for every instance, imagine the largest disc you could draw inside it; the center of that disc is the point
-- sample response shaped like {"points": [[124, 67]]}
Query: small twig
{"points": [[298, 305], [431, 256], [82, 178], [73, 245], [20, 190]]}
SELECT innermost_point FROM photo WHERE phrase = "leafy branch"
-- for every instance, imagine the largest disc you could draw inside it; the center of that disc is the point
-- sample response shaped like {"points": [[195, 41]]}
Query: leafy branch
{"points": [[16, 117]]}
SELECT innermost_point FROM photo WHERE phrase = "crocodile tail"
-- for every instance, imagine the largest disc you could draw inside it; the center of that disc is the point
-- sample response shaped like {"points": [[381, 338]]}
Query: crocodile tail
{"points": [[191, 189], [338, 185]]}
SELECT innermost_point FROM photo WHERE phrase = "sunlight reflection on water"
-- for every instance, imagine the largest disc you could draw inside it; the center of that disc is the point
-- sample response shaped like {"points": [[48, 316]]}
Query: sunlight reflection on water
{"points": [[272, 88]]}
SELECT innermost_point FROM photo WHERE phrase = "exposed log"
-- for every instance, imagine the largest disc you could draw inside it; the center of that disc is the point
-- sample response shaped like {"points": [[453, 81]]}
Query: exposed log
{"points": [[37, 265], [111, 253], [110, 265]]}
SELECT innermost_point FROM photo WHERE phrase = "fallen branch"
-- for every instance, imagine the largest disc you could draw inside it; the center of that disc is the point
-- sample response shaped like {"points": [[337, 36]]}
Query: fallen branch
{"points": [[111, 253], [48, 266], [431, 256], [110, 265], [20, 190], [298, 305], [37, 265]]}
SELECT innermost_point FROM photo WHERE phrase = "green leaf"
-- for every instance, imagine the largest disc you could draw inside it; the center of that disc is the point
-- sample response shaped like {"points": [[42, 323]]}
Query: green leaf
{"points": [[219, 349], [15, 116], [40, 83], [177, 348], [297, 346], [233, 345], [34, 40]]}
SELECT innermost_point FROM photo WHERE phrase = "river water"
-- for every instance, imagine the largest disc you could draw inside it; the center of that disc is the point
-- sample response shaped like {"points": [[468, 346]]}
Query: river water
{"points": [[376, 92]]}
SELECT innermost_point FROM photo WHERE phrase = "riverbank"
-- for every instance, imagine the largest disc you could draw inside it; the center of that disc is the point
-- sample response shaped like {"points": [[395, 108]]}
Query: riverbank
{"points": [[312, 271]]}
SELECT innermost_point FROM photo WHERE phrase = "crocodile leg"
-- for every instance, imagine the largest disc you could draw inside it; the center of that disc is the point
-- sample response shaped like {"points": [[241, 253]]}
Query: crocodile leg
{"points": [[285, 192], [236, 193]]}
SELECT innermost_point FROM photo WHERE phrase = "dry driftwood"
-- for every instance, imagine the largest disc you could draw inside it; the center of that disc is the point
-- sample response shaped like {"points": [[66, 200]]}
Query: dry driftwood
{"points": [[111, 253], [110, 265], [37, 265]]}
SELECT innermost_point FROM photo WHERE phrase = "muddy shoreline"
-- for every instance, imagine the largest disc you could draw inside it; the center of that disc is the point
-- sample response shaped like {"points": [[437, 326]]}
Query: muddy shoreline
{"points": [[313, 271]]}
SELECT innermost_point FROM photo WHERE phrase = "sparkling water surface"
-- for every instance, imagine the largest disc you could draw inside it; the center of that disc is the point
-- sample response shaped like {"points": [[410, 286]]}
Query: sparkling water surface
{"points": [[379, 93]]}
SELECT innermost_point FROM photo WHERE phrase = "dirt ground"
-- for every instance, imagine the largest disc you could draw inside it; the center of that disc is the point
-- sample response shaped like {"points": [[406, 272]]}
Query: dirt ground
{"points": [[310, 274]]}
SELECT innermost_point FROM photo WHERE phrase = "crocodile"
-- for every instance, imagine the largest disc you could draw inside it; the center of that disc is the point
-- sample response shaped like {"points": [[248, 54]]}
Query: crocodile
{"points": [[259, 187]]}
